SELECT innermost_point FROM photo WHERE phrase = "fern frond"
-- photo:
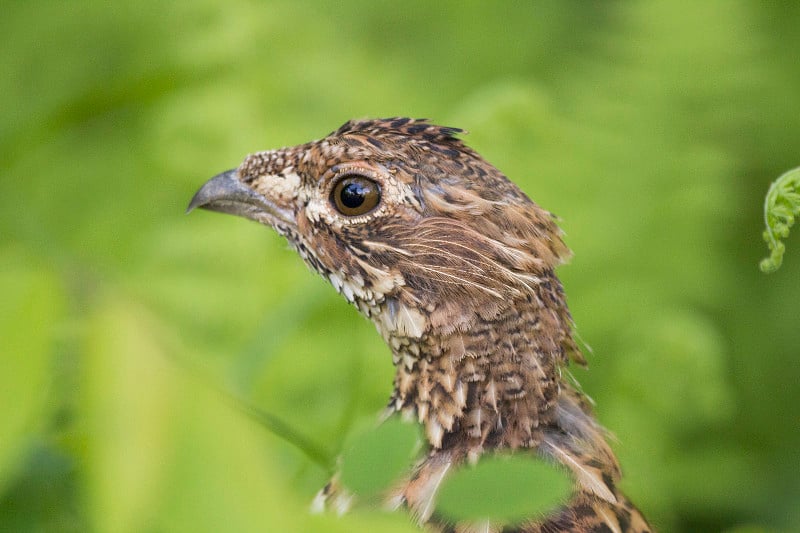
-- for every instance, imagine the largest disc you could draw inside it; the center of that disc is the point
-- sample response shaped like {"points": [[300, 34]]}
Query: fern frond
{"points": [[781, 207]]}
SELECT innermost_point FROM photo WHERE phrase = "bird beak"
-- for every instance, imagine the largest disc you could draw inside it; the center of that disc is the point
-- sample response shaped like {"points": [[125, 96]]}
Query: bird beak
{"points": [[227, 194]]}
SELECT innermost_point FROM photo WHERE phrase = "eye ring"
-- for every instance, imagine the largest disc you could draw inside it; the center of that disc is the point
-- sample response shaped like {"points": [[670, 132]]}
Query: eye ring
{"points": [[354, 195]]}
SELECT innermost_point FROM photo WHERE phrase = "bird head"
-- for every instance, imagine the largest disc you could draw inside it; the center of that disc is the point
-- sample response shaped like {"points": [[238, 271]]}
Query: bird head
{"points": [[406, 222]]}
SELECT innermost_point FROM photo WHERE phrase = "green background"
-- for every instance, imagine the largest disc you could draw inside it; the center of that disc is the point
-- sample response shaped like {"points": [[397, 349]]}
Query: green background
{"points": [[652, 129]]}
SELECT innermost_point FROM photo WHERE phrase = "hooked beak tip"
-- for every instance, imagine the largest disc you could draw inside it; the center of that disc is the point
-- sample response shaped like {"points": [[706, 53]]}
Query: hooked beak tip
{"points": [[224, 187]]}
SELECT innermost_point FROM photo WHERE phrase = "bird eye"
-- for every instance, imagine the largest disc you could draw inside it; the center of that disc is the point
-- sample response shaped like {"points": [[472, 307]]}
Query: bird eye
{"points": [[355, 195]]}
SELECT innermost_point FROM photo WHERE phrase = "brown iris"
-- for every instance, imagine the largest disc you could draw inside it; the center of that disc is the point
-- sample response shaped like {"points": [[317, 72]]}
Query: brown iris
{"points": [[355, 195]]}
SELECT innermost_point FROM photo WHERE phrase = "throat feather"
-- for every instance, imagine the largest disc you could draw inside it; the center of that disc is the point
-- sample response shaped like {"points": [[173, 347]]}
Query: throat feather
{"points": [[492, 385]]}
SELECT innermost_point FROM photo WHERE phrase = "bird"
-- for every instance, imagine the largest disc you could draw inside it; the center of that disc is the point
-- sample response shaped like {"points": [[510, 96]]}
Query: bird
{"points": [[455, 266]]}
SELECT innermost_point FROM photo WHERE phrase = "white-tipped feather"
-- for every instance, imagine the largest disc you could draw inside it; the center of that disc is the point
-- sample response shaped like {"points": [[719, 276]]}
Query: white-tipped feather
{"points": [[610, 521], [589, 480], [428, 493], [460, 396], [435, 433]]}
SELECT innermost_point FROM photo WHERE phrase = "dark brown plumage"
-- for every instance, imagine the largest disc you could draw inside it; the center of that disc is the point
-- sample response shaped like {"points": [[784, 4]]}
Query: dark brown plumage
{"points": [[455, 266]]}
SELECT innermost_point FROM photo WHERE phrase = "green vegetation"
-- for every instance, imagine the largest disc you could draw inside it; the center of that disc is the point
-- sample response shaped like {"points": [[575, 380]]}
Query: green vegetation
{"points": [[482, 492], [378, 457], [781, 206], [652, 130]]}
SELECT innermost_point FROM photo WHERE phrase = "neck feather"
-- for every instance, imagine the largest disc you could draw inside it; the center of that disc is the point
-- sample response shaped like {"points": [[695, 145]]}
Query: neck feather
{"points": [[494, 383]]}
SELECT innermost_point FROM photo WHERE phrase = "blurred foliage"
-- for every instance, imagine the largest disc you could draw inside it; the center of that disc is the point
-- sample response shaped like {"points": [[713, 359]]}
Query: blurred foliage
{"points": [[503, 489], [781, 207], [651, 128], [377, 457]]}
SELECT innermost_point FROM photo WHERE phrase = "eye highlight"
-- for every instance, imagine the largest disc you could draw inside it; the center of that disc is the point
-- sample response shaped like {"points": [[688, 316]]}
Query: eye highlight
{"points": [[355, 195]]}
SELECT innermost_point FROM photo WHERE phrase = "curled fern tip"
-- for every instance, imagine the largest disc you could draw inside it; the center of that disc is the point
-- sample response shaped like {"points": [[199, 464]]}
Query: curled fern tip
{"points": [[781, 207]]}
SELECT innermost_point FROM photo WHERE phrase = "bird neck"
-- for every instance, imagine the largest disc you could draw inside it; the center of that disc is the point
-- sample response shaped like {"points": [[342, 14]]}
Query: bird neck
{"points": [[493, 383]]}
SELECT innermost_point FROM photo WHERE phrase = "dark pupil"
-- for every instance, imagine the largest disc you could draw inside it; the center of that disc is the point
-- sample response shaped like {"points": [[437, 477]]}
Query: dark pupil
{"points": [[353, 194]]}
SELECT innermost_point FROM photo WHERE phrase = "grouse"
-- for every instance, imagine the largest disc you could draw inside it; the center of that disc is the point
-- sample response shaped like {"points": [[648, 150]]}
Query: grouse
{"points": [[455, 266]]}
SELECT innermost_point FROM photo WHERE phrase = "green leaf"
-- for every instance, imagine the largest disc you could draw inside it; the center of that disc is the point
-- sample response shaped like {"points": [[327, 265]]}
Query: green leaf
{"points": [[129, 403], [504, 488], [781, 206], [31, 300], [378, 457]]}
